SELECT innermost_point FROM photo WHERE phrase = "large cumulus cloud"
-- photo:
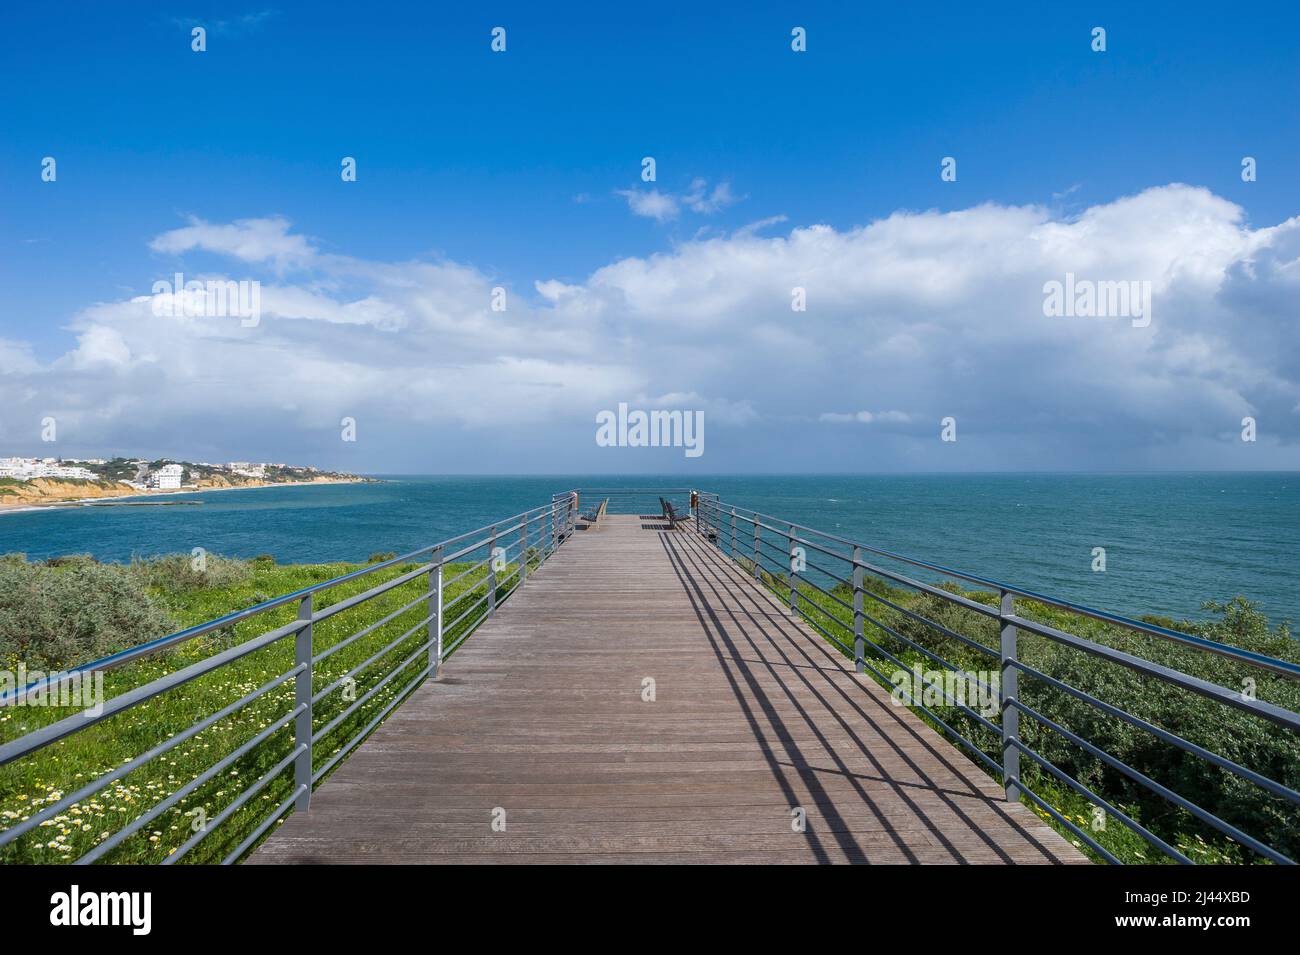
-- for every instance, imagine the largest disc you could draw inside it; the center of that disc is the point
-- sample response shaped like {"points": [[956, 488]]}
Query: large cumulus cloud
{"points": [[910, 318]]}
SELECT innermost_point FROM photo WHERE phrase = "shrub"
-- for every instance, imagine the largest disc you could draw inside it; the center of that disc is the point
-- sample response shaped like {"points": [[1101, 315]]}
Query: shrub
{"points": [[177, 573], [382, 556], [52, 618], [71, 560]]}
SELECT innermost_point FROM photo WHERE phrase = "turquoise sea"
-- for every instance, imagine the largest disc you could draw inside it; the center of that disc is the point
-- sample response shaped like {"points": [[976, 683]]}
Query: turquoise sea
{"points": [[1171, 540]]}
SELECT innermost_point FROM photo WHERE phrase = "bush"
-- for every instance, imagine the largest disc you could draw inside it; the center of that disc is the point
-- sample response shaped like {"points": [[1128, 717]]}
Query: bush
{"points": [[52, 618], [178, 574], [381, 557]]}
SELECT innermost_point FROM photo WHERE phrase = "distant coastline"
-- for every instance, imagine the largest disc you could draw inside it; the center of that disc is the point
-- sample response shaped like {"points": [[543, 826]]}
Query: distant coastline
{"points": [[26, 507]]}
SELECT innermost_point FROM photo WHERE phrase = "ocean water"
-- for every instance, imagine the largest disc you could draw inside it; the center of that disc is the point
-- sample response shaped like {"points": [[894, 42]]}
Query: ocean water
{"points": [[1172, 540]]}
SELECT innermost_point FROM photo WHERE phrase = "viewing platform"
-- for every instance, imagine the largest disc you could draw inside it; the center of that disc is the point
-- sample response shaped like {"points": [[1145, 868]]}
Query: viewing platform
{"points": [[544, 722]]}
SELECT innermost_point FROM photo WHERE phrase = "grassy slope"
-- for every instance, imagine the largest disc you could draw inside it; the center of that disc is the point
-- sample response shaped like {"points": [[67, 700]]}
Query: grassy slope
{"points": [[69, 764]]}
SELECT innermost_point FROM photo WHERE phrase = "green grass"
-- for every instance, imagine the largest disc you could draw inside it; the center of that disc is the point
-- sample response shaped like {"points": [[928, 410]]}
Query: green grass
{"points": [[63, 767], [1230, 732]]}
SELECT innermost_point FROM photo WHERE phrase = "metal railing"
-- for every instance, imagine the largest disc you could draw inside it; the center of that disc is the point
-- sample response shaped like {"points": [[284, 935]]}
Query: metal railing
{"points": [[793, 558], [533, 535], [637, 500]]}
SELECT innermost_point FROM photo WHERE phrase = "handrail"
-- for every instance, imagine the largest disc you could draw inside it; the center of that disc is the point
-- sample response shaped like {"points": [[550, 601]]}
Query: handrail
{"points": [[628, 498], [122, 657], [536, 532], [1282, 667], [781, 566], [634, 490]]}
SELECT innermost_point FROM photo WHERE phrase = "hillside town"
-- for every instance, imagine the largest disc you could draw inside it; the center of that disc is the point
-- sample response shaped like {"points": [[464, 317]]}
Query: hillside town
{"points": [[25, 469], [51, 480], [160, 475]]}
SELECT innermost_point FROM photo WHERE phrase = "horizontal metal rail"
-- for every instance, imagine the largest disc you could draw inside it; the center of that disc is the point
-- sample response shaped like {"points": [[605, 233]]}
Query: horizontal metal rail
{"points": [[1283, 667], [85, 792], [40, 738], [123, 657], [776, 552], [639, 500], [516, 547]]}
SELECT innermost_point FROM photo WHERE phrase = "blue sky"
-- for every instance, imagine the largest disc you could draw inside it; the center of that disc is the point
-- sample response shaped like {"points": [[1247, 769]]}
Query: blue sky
{"points": [[523, 167]]}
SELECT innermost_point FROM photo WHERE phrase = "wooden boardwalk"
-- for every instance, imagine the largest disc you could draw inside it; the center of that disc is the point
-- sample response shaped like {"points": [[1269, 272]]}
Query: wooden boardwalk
{"points": [[541, 717]]}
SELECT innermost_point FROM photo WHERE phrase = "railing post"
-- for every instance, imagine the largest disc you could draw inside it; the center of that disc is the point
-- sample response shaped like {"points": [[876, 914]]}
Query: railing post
{"points": [[435, 614], [758, 572], [302, 725], [1010, 715], [523, 553], [794, 576], [859, 643], [733, 534], [555, 534], [492, 571]]}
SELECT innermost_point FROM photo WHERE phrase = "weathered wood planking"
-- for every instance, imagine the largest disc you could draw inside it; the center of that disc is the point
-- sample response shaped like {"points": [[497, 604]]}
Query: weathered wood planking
{"points": [[541, 714]]}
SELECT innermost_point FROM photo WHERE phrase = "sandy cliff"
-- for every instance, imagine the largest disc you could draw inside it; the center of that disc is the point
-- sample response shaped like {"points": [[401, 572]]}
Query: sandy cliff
{"points": [[56, 490], [50, 490]]}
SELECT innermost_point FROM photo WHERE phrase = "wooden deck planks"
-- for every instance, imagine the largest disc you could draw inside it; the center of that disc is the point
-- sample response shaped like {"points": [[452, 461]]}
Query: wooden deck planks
{"points": [[540, 713]]}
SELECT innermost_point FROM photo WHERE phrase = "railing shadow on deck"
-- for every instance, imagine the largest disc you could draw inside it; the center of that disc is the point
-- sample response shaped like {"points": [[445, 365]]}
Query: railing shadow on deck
{"points": [[750, 611]]}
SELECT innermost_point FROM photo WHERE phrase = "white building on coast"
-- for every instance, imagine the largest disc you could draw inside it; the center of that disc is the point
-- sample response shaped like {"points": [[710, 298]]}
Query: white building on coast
{"points": [[27, 469], [166, 478]]}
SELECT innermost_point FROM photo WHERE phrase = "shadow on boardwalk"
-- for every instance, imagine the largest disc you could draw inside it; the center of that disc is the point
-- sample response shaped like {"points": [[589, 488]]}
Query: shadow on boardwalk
{"points": [[641, 700]]}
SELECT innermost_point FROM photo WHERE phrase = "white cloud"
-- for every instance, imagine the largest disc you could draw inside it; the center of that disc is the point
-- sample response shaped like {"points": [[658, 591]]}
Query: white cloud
{"points": [[666, 206], [701, 200], [553, 290], [914, 317], [249, 240], [99, 345], [650, 203], [760, 225]]}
